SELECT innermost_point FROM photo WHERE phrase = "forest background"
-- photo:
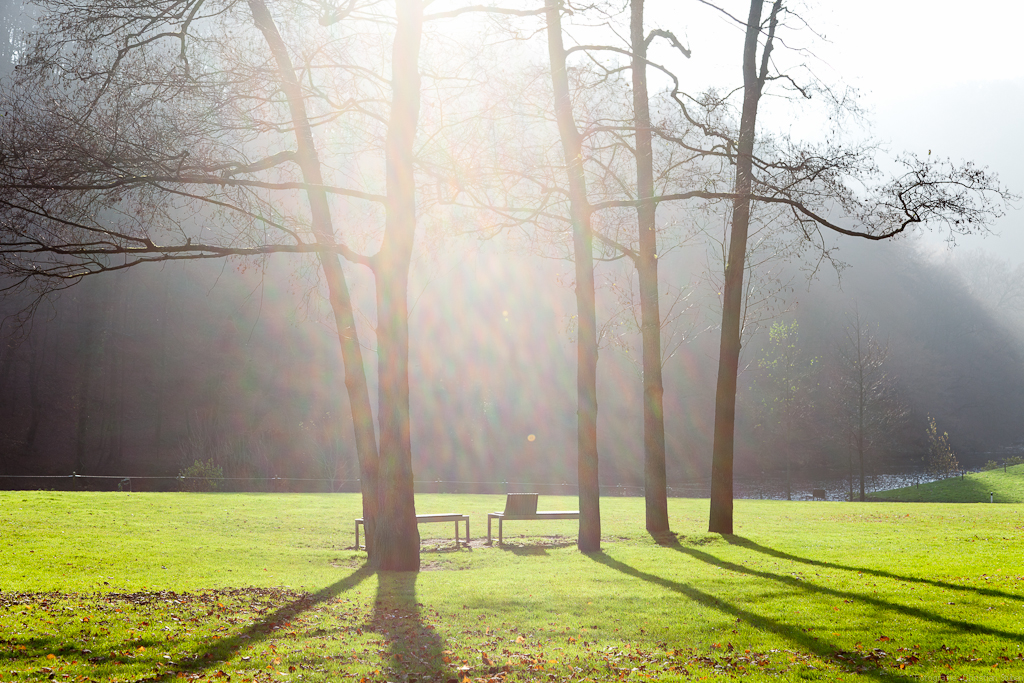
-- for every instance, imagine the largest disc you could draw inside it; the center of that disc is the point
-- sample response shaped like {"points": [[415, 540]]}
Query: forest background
{"points": [[147, 371]]}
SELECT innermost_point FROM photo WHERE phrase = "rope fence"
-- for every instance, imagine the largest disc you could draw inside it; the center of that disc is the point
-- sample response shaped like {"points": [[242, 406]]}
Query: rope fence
{"points": [[836, 486]]}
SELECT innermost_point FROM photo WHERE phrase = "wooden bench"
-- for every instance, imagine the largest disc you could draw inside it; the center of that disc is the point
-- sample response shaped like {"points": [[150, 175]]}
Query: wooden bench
{"points": [[427, 519], [522, 506]]}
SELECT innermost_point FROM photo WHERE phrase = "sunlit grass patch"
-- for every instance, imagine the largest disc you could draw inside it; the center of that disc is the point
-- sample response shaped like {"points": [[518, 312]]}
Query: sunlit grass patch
{"points": [[268, 587], [996, 486]]}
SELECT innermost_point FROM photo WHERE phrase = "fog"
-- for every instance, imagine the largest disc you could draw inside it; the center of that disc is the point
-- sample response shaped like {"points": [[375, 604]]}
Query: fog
{"points": [[143, 372], [147, 371]]}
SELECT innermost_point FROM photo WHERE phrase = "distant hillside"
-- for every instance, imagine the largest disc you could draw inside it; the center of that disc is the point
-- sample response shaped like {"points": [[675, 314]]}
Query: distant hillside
{"points": [[1008, 487]]}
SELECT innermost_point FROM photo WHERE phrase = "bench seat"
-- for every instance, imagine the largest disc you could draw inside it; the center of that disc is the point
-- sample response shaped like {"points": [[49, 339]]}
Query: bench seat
{"points": [[521, 507], [427, 519]]}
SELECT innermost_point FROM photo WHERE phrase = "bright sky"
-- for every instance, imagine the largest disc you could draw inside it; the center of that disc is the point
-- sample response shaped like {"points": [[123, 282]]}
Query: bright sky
{"points": [[944, 76], [899, 49]]}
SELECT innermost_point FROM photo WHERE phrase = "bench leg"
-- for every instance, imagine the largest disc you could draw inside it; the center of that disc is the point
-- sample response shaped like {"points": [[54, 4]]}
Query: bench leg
{"points": [[357, 534], [488, 529], [500, 520], [467, 532]]}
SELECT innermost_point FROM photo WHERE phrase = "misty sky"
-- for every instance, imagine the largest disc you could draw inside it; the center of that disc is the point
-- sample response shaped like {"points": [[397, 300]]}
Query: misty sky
{"points": [[947, 78], [943, 76]]}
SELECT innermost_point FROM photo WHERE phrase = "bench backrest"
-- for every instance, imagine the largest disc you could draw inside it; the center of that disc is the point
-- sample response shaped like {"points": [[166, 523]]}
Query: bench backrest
{"points": [[520, 504]]}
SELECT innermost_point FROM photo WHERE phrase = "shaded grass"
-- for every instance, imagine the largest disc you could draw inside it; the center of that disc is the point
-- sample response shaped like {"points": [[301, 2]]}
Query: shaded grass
{"points": [[266, 587], [1007, 487]]}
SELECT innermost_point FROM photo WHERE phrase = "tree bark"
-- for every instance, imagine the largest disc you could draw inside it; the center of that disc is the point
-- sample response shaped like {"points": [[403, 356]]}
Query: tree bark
{"points": [[89, 355], [37, 361], [338, 292], [850, 463], [860, 408], [655, 480], [732, 297], [120, 331], [586, 308], [398, 538]]}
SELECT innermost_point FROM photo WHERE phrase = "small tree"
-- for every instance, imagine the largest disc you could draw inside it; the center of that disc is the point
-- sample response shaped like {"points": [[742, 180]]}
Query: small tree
{"points": [[786, 378], [868, 405], [942, 460]]}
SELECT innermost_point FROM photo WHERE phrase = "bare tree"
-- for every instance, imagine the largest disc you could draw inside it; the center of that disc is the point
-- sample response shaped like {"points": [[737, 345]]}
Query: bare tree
{"points": [[189, 130], [810, 182], [587, 148], [586, 308], [871, 411], [196, 129], [646, 261], [607, 187], [787, 377]]}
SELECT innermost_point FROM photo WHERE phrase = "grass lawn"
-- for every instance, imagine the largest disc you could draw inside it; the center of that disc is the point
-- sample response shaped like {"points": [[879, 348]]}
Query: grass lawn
{"points": [[261, 587], [975, 487]]}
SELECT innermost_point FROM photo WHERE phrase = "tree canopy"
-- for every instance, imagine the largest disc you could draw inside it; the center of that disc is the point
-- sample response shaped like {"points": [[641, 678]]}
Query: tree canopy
{"points": [[146, 132]]}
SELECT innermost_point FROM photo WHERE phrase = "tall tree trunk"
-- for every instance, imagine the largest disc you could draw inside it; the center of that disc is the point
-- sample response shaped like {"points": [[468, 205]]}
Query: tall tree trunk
{"points": [[37, 361], [161, 372], [849, 459], [398, 538], [119, 332], [789, 474], [106, 408], [860, 454], [7, 349], [655, 480], [88, 355], [337, 285], [732, 297], [586, 308], [7, 352], [861, 404]]}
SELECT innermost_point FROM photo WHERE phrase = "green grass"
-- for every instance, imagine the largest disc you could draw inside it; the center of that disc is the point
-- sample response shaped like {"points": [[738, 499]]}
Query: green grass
{"points": [[975, 487], [259, 587]]}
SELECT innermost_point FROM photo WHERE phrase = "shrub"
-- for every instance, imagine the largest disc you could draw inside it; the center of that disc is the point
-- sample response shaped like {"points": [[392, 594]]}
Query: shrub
{"points": [[942, 461], [200, 476], [1006, 462]]}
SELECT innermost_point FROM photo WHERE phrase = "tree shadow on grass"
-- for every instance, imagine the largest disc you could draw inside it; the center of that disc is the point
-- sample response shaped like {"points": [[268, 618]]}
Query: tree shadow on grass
{"points": [[533, 545], [757, 547], [524, 550], [794, 634], [429, 547], [213, 657], [956, 625], [143, 650], [414, 648]]}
